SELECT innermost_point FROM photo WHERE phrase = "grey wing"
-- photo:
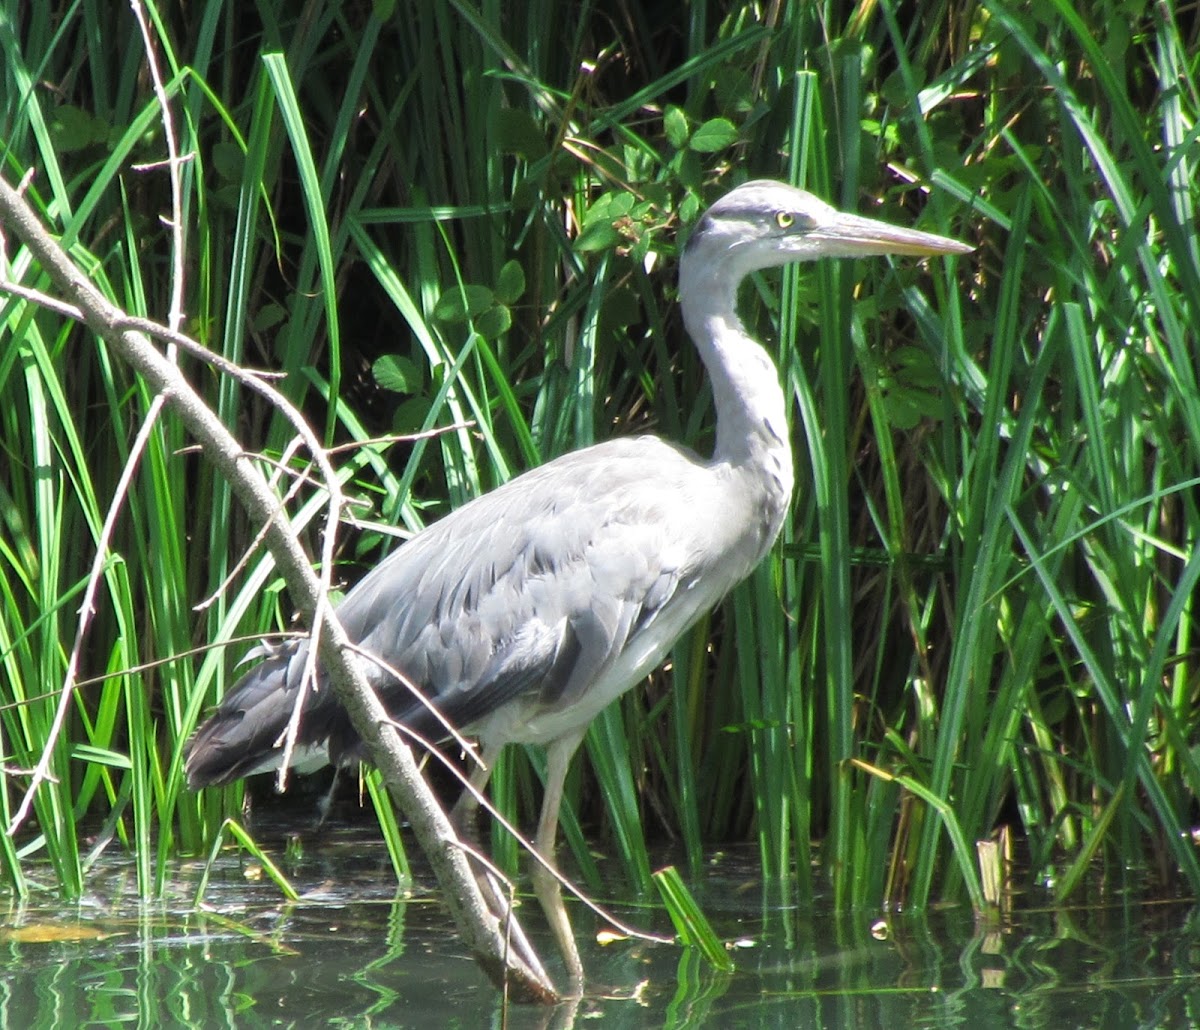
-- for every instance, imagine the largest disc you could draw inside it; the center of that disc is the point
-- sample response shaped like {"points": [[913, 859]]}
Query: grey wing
{"points": [[532, 593], [519, 616]]}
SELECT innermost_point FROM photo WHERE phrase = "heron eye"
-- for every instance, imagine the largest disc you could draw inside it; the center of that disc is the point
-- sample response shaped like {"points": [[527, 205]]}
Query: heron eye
{"points": [[785, 219]]}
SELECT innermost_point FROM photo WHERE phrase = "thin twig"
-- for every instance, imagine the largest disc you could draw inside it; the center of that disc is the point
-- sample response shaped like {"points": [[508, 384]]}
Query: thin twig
{"points": [[542, 860], [88, 607], [122, 321], [129, 338], [419, 696], [252, 547], [155, 663]]}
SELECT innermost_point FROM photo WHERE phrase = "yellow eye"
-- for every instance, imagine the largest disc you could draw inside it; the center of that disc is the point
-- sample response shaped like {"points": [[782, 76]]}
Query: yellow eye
{"points": [[785, 219]]}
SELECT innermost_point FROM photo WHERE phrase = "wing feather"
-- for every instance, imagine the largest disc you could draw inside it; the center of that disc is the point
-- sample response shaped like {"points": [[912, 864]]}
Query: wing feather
{"points": [[533, 593]]}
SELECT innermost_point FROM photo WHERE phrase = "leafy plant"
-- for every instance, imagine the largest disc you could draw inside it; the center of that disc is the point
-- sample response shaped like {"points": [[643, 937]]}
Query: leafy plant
{"points": [[465, 219]]}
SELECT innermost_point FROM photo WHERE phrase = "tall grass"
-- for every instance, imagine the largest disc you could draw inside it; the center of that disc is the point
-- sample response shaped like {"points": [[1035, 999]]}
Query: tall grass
{"points": [[465, 216]]}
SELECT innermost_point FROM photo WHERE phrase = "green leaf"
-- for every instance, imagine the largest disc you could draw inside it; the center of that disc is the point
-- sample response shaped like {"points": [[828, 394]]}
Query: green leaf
{"points": [[916, 367], [494, 322], [733, 89], [609, 207], [600, 236], [600, 222], [410, 414], [398, 374], [689, 208], [463, 302], [715, 134], [690, 169], [675, 125], [268, 317], [74, 128], [903, 409], [511, 283]]}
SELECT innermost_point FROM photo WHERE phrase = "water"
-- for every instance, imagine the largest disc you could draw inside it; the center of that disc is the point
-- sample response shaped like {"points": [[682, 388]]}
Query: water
{"points": [[353, 952]]}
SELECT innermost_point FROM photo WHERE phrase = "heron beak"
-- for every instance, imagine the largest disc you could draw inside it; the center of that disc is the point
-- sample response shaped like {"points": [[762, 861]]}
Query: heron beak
{"points": [[852, 236]]}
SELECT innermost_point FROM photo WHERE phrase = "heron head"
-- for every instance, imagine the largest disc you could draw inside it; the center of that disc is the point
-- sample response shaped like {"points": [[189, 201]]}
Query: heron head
{"points": [[762, 223]]}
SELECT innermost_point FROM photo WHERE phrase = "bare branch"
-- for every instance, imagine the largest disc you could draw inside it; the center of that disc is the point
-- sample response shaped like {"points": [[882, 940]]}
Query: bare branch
{"points": [[88, 608], [481, 930]]}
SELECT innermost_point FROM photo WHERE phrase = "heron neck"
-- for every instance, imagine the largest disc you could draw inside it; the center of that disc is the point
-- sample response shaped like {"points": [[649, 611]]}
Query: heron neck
{"points": [[752, 431]]}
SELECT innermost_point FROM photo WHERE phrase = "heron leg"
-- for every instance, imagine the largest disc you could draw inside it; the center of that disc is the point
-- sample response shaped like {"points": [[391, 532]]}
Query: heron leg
{"points": [[545, 883], [466, 808], [325, 805]]}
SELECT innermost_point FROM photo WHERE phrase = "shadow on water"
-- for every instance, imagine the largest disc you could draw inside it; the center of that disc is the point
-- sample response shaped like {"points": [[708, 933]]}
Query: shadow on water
{"points": [[353, 952]]}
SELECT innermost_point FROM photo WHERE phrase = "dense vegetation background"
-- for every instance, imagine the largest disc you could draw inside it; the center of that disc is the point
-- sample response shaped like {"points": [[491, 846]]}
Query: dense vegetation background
{"points": [[432, 214]]}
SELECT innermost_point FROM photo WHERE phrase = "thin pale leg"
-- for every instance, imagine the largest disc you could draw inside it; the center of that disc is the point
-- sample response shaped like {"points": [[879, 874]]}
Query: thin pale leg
{"points": [[545, 883], [325, 805]]}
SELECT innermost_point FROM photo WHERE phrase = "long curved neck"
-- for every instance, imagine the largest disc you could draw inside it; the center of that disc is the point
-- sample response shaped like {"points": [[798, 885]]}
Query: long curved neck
{"points": [[752, 433]]}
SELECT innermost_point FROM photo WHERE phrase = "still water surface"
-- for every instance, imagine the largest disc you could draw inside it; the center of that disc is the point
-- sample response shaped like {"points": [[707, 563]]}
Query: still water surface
{"points": [[354, 952]]}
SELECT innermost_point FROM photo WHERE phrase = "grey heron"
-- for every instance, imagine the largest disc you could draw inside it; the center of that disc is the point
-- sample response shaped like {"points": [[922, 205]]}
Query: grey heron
{"points": [[528, 610]]}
